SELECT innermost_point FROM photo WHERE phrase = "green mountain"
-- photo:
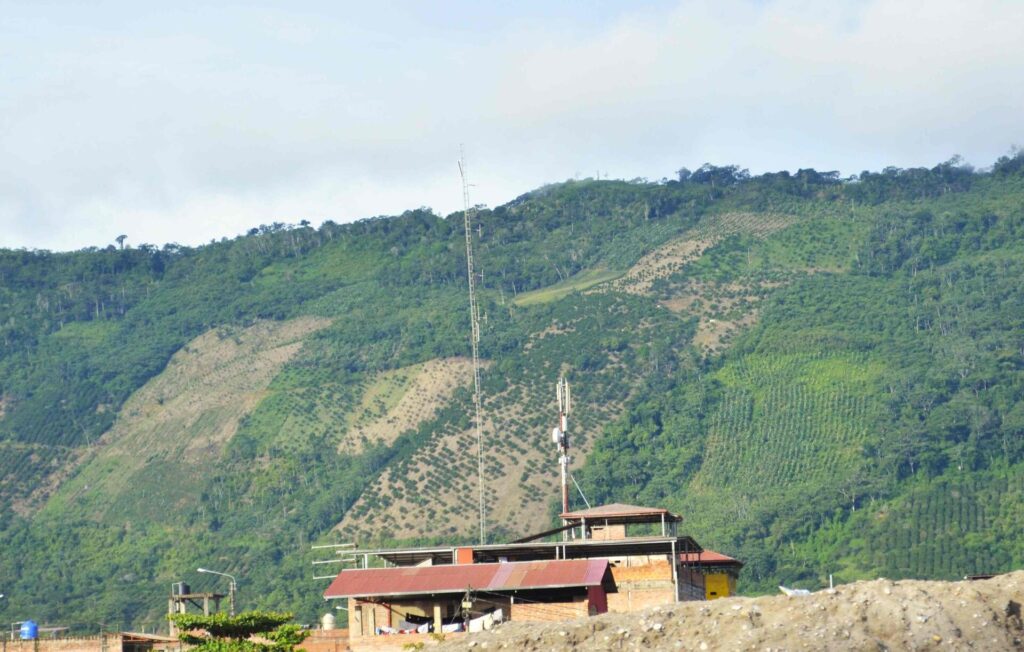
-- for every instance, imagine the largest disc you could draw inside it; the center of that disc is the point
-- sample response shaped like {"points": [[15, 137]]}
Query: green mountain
{"points": [[823, 375]]}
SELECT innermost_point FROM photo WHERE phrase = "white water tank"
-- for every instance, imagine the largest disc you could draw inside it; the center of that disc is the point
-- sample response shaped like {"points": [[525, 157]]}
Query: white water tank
{"points": [[327, 621]]}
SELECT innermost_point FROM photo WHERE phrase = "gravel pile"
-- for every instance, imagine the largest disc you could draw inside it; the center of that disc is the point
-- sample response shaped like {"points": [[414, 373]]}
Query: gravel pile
{"points": [[875, 615]]}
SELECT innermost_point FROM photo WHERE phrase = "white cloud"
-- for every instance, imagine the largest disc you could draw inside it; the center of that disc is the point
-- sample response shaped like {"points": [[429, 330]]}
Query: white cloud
{"points": [[199, 124]]}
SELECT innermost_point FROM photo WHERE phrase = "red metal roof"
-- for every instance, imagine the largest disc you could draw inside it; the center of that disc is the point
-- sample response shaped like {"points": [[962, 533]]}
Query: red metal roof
{"points": [[456, 578], [709, 557], [620, 510]]}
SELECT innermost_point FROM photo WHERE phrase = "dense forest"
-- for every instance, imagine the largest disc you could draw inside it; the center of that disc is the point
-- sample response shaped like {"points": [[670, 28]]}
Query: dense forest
{"points": [[822, 374]]}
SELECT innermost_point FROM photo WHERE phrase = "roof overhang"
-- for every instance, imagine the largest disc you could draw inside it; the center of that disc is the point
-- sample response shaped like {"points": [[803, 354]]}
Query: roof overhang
{"points": [[588, 548], [539, 550], [709, 558]]}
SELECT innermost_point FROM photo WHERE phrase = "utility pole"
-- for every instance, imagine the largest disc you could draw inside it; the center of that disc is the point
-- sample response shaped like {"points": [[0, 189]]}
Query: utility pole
{"points": [[474, 320]]}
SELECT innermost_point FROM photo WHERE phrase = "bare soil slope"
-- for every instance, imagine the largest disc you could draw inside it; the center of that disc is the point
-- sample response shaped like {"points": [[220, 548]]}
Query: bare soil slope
{"points": [[671, 257], [709, 301], [177, 424], [875, 615], [401, 399]]}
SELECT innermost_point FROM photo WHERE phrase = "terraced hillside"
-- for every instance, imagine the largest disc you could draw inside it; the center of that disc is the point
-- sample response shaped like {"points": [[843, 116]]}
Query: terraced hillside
{"points": [[822, 413], [412, 498], [822, 375], [866, 423]]}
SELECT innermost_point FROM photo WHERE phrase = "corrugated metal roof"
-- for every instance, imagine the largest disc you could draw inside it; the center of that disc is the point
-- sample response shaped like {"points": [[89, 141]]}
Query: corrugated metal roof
{"points": [[708, 557], [620, 510], [456, 578]]}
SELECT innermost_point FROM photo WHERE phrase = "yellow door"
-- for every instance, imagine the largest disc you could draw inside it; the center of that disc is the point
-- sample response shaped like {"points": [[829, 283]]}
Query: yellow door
{"points": [[716, 586]]}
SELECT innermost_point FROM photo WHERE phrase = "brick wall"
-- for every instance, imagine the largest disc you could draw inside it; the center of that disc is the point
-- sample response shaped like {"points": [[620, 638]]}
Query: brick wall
{"points": [[641, 585], [607, 532], [326, 640], [628, 600], [397, 642], [655, 571], [88, 644], [109, 643], [360, 624], [548, 611]]}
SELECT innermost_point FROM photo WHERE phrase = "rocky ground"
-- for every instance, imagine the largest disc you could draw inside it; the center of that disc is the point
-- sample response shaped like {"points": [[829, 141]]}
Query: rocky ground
{"points": [[873, 615]]}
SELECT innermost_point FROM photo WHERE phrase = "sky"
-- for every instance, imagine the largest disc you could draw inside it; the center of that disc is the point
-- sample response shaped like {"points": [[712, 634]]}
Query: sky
{"points": [[199, 120]]}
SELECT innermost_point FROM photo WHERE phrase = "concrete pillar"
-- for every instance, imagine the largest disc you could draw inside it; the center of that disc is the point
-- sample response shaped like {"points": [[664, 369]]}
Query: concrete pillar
{"points": [[675, 572], [437, 618]]}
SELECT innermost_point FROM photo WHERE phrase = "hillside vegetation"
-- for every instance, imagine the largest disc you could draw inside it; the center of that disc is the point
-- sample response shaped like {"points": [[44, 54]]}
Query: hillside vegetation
{"points": [[822, 375]]}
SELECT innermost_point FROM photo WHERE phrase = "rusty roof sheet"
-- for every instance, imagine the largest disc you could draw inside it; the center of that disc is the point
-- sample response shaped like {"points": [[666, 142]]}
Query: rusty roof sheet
{"points": [[709, 557], [455, 578], [620, 510]]}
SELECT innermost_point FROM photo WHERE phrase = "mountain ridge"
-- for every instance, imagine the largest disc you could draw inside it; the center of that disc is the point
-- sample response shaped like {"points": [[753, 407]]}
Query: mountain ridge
{"points": [[781, 358]]}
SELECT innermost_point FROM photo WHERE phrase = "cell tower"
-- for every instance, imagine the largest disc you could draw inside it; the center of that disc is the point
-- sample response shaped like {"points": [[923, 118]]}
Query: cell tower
{"points": [[474, 320], [560, 436]]}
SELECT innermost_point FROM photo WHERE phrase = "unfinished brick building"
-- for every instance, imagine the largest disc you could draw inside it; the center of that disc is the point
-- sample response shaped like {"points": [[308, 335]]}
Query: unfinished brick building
{"points": [[616, 558]]}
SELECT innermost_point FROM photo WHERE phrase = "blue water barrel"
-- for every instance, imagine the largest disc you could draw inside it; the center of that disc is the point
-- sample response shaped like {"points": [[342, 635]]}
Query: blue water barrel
{"points": [[29, 630]]}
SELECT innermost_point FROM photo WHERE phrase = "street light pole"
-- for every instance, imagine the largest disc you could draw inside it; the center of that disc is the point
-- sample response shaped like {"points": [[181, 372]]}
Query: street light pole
{"points": [[232, 588]]}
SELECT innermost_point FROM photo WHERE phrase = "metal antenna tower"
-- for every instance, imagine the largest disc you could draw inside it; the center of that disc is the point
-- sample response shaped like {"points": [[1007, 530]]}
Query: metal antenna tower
{"points": [[474, 320], [560, 436]]}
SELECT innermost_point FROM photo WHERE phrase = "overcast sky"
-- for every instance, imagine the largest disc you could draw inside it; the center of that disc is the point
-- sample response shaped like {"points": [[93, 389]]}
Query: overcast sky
{"points": [[197, 121]]}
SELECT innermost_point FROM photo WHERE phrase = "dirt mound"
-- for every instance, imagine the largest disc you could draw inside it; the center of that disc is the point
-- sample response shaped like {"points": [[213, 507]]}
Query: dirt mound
{"points": [[876, 615]]}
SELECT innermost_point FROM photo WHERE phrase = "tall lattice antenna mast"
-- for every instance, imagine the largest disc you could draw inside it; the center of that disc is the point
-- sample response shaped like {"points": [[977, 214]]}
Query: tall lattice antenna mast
{"points": [[474, 320], [560, 436]]}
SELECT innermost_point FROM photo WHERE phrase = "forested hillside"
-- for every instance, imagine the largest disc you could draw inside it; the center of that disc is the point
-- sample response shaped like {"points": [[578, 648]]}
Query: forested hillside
{"points": [[822, 375]]}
